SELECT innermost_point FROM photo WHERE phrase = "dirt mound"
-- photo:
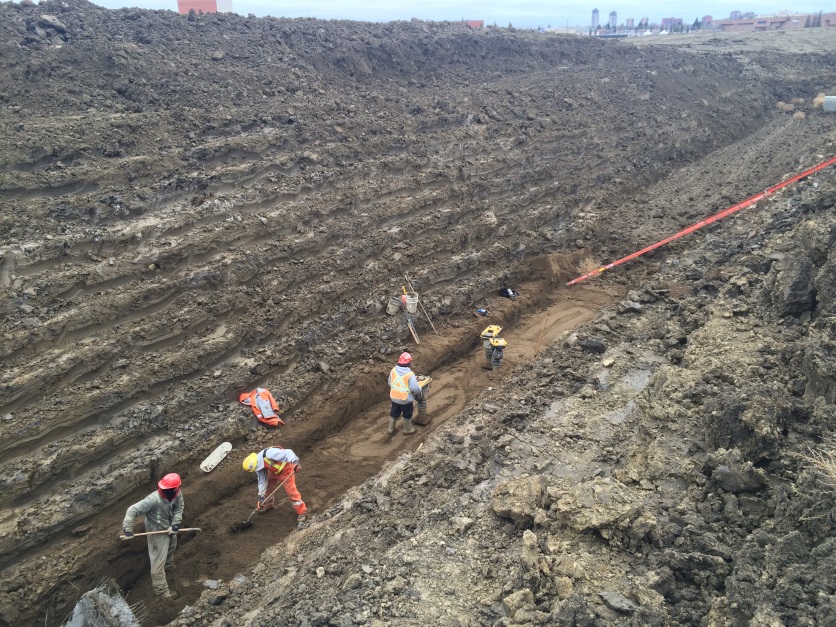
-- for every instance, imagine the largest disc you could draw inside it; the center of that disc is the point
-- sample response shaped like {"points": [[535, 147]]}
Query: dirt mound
{"points": [[198, 205]]}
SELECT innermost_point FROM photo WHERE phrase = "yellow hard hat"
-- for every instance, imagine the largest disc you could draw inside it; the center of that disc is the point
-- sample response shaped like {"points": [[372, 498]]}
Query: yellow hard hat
{"points": [[251, 462]]}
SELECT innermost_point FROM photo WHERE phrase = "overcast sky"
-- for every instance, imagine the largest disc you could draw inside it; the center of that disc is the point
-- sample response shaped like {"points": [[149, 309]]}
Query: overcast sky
{"points": [[520, 13]]}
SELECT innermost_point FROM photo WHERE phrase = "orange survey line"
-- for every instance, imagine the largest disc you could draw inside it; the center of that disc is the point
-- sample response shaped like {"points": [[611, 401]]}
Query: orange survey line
{"points": [[710, 220]]}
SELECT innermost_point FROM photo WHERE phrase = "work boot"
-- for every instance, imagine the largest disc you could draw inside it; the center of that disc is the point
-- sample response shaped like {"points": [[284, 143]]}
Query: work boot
{"points": [[407, 427], [300, 519], [170, 595], [392, 422]]}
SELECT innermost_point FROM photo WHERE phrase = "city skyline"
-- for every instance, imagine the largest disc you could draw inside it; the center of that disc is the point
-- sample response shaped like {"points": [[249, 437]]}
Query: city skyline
{"points": [[519, 13]]}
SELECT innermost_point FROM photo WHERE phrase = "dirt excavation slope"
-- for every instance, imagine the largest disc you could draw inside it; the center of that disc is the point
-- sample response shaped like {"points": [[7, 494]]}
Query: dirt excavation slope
{"points": [[196, 205], [647, 469]]}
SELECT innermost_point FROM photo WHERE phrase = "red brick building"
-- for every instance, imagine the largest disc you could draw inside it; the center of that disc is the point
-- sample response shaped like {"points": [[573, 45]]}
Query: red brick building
{"points": [[204, 6], [774, 22]]}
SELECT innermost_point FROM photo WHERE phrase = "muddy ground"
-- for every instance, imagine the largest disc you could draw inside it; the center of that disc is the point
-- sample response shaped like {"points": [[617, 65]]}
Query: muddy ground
{"points": [[196, 205]]}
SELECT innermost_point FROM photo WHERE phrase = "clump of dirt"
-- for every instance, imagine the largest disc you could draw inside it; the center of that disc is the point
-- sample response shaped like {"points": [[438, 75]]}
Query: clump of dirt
{"points": [[198, 205]]}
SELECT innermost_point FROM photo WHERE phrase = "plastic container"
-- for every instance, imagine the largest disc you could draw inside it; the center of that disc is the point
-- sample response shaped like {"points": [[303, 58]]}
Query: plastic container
{"points": [[394, 306], [411, 302]]}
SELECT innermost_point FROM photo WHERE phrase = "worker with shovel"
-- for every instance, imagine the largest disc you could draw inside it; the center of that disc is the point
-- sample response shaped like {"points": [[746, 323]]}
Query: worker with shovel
{"points": [[276, 467], [403, 390], [163, 510]]}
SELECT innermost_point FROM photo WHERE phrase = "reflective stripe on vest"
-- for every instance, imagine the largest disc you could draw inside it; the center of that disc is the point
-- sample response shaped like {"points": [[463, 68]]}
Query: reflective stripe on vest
{"points": [[400, 386], [273, 465], [276, 467]]}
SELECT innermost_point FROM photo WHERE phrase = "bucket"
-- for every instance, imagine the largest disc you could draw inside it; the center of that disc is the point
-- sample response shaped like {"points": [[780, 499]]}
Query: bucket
{"points": [[394, 306], [410, 302]]}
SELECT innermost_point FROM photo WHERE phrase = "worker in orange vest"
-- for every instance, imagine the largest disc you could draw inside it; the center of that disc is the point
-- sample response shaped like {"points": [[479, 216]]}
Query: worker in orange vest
{"points": [[403, 389], [264, 406], [273, 466]]}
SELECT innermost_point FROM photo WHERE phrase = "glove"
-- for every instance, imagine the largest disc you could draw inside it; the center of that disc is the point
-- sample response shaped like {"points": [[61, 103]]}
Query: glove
{"points": [[174, 529], [128, 534], [297, 468]]}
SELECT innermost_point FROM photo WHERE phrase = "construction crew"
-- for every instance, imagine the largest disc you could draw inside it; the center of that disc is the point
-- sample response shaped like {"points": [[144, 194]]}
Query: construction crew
{"points": [[163, 511], [264, 406], [276, 466], [403, 389]]}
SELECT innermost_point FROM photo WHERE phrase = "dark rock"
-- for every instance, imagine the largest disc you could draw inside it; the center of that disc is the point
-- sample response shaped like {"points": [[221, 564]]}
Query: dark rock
{"points": [[592, 344]]}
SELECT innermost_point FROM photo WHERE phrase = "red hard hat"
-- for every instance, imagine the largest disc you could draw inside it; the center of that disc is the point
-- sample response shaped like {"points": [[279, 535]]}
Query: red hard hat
{"points": [[404, 359], [171, 480]]}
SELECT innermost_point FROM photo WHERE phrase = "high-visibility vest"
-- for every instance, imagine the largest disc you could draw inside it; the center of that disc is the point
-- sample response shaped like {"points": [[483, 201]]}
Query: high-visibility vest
{"points": [[273, 465], [262, 403], [399, 385]]}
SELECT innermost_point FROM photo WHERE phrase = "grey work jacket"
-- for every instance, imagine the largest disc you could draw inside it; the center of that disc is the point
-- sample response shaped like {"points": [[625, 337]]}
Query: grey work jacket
{"points": [[159, 513]]}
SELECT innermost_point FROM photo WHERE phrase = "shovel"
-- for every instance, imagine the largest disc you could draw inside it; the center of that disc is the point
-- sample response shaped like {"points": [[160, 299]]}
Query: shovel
{"points": [[154, 533], [247, 524]]}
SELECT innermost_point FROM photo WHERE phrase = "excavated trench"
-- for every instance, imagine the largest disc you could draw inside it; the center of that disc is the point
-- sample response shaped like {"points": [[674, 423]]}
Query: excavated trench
{"points": [[163, 252], [343, 443]]}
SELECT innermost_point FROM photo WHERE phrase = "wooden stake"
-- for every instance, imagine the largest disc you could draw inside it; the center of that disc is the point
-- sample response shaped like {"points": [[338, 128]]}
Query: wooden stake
{"points": [[420, 304]]}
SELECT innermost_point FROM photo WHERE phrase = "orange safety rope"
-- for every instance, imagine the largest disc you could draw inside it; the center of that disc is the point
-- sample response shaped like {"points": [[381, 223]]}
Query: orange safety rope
{"points": [[710, 220]]}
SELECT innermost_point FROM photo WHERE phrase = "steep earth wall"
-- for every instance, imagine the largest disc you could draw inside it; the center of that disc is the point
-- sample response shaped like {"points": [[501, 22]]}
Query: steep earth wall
{"points": [[195, 205]]}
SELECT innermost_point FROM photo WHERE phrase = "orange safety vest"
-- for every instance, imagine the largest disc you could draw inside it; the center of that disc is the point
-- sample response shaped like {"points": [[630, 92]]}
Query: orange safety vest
{"points": [[250, 399], [399, 386], [273, 465]]}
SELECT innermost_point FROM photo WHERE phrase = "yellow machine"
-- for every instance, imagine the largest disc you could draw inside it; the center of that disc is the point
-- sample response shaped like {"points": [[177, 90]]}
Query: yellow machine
{"points": [[490, 331], [494, 346]]}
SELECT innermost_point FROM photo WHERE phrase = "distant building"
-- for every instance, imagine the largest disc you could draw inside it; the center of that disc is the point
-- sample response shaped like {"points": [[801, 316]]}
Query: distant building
{"points": [[735, 15], [630, 23], [773, 22], [669, 22], [475, 23], [613, 20], [706, 20], [204, 6], [595, 21]]}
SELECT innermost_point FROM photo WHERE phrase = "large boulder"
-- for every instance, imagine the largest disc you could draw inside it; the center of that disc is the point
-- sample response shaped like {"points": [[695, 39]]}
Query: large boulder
{"points": [[601, 504], [519, 499]]}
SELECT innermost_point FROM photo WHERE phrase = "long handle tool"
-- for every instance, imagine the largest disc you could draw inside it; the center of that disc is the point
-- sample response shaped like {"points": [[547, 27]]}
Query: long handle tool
{"points": [[409, 320], [154, 533], [247, 523], [420, 304]]}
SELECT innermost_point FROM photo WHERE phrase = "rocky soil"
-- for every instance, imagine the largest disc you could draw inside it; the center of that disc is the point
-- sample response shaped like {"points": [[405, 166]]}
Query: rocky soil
{"points": [[196, 205]]}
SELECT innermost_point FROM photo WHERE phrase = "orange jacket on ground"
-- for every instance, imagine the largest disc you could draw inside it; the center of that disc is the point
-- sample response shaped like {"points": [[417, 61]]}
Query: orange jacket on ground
{"points": [[264, 406]]}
